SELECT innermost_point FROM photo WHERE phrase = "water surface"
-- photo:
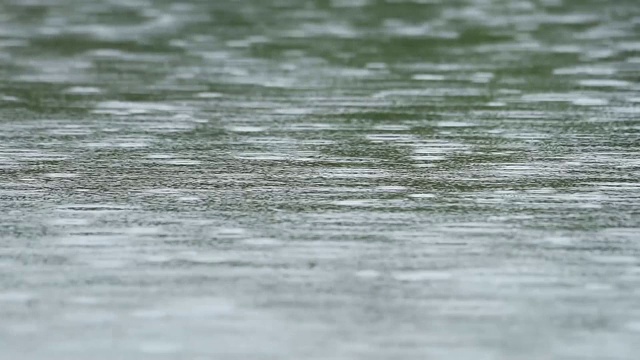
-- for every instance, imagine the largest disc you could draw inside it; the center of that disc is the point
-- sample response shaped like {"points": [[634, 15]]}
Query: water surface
{"points": [[346, 179]]}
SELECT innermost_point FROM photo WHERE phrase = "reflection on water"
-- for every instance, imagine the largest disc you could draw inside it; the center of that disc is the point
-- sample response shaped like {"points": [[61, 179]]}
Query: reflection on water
{"points": [[319, 179]]}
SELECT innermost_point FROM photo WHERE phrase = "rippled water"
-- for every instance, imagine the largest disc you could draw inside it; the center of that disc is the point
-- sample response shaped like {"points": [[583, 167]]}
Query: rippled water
{"points": [[345, 179]]}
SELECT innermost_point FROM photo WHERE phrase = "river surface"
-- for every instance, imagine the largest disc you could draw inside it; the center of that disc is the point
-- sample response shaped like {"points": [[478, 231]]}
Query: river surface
{"points": [[345, 179]]}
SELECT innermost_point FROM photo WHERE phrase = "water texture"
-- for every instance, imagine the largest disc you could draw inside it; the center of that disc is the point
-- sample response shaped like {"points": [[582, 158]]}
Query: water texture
{"points": [[345, 179]]}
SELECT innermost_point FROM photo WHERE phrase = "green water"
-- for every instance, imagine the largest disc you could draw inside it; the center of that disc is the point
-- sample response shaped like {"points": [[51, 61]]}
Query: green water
{"points": [[347, 179]]}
